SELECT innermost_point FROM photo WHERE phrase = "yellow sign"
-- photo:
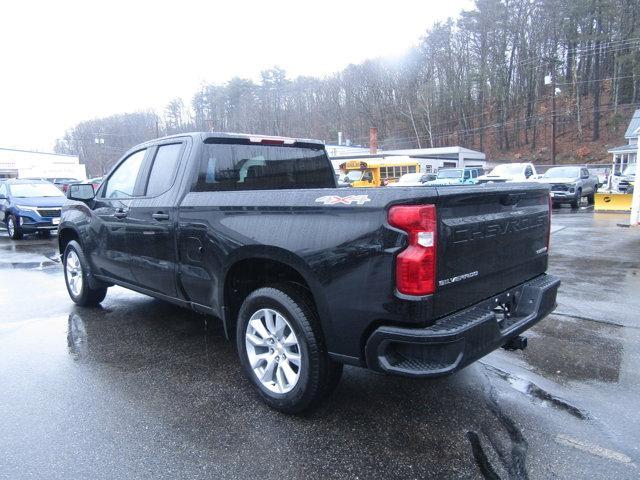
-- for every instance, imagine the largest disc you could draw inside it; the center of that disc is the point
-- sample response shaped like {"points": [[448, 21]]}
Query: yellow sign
{"points": [[613, 202], [353, 164]]}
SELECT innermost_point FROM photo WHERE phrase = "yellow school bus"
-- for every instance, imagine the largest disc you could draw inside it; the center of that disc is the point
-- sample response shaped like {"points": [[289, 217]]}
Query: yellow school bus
{"points": [[376, 173]]}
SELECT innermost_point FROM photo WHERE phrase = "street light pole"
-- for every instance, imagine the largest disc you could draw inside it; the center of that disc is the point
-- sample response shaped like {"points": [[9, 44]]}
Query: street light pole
{"points": [[99, 140], [635, 202]]}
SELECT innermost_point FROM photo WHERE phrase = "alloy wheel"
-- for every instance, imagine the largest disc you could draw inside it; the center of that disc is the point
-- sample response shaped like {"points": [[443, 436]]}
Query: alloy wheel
{"points": [[273, 351], [73, 269]]}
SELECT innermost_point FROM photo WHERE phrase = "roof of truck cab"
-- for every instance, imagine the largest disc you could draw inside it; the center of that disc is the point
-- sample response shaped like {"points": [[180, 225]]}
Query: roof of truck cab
{"points": [[17, 181], [202, 136]]}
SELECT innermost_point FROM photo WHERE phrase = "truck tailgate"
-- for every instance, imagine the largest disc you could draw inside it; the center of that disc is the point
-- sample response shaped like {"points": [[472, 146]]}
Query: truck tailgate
{"points": [[490, 238]]}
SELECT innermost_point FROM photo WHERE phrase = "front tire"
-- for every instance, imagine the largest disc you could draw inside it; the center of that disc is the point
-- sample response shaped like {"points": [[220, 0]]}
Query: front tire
{"points": [[576, 203], [13, 227], [76, 273], [282, 351]]}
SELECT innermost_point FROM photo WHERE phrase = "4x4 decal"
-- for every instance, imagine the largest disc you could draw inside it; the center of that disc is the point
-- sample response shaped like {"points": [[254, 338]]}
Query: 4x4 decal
{"points": [[335, 199]]}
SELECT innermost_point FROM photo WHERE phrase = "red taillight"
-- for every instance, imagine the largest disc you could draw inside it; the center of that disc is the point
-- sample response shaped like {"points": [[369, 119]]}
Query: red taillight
{"points": [[416, 265]]}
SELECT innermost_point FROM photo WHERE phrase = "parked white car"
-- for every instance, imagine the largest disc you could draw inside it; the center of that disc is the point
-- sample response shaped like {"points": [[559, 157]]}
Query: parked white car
{"points": [[413, 180], [510, 172]]}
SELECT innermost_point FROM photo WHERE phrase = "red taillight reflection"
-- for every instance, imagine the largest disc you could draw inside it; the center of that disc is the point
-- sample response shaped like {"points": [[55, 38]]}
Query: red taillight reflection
{"points": [[549, 224], [416, 265]]}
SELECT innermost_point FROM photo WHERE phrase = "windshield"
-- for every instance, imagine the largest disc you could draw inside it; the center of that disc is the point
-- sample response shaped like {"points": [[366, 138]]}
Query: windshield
{"points": [[562, 172], [630, 170], [410, 178], [354, 175], [507, 169], [450, 174], [27, 190]]}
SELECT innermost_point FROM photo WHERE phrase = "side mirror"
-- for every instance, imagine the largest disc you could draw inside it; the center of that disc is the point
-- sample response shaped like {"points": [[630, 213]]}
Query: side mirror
{"points": [[617, 174], [3, 197], [82, 192]]}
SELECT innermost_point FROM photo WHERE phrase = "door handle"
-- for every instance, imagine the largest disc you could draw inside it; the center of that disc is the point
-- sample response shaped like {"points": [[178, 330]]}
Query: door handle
{"points": [[120, 214], [160, 216]]}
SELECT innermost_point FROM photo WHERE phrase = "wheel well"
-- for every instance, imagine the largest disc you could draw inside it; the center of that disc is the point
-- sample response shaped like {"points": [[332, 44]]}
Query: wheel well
{"points": [[250, 274], [64, 237]]}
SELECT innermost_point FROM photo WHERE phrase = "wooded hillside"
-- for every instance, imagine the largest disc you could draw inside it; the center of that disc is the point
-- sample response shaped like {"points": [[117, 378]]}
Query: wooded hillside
{"points": [[484, 81]]}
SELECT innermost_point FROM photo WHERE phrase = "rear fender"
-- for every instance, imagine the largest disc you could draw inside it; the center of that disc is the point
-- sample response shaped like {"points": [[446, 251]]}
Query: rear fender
{"points": [[285, 257]]}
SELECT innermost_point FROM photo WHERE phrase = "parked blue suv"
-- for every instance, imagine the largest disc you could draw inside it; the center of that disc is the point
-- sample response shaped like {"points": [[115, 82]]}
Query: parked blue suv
{"points": [[30, 206], [457, 176]]}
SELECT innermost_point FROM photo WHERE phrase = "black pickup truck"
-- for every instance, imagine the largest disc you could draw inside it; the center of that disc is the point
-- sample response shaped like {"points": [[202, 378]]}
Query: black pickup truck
{"points": [[305, 276]]}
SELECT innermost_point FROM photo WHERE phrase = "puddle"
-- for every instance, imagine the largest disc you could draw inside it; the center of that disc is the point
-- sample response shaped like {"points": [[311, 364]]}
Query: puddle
{"points": [[576, 350], [538, 394], [31, 260]]}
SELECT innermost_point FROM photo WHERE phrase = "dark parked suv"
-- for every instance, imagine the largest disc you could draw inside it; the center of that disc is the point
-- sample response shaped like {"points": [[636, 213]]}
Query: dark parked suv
{"points": [[30, 206], [305, 276]]}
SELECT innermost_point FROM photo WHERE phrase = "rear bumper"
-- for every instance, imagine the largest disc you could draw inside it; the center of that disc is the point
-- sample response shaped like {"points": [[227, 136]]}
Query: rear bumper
{"points": [[457, 340]]}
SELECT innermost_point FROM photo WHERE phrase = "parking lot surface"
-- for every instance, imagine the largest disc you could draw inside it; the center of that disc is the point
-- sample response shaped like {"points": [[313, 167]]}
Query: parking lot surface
{"points": [[142, 389]]}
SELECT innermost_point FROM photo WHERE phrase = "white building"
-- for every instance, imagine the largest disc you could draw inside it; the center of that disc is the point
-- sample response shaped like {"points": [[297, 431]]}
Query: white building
{"points": [[626, 154], [346, 150], [430, 159], [26, 164]]}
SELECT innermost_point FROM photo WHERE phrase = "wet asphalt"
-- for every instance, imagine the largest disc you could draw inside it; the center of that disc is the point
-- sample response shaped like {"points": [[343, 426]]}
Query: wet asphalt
{"points": [[142, 389]]}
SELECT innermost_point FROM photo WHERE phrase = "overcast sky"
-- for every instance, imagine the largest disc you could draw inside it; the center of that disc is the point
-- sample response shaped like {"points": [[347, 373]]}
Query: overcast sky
{"points": [[63, 61]]}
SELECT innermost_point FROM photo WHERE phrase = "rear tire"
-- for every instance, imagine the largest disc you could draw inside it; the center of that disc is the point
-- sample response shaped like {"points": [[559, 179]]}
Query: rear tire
{"points": [[13, 227], [288, 365], [76, 276]]}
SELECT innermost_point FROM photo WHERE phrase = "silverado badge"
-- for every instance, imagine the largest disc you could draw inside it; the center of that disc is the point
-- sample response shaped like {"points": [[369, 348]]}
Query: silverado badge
{"points": [[335, 199]]}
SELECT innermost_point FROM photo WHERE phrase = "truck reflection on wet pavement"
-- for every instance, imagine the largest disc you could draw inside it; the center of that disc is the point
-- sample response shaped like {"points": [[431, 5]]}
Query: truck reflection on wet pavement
{"points": [[140, 388]]}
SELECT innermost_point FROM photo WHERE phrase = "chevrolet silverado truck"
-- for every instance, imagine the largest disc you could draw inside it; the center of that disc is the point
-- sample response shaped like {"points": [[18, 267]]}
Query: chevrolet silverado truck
{"points": [[304, 276]]}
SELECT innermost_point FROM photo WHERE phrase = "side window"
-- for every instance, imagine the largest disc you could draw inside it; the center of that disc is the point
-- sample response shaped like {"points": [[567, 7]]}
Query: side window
{"points": [[3, 189], [120, 184], [467, 174], [163, 169], [528, 172]]}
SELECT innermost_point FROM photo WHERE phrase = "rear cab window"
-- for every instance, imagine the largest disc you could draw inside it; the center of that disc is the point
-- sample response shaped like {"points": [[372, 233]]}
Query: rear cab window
{"points": [[163, 169], [247, 166]]}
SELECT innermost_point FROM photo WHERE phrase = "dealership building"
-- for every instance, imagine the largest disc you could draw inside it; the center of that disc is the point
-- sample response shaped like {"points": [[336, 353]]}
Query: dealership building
{"points": [[16, 163]]}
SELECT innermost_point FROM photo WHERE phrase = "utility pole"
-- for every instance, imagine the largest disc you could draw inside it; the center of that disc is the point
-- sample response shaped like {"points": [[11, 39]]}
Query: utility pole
{"points": [[553, 111]]}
